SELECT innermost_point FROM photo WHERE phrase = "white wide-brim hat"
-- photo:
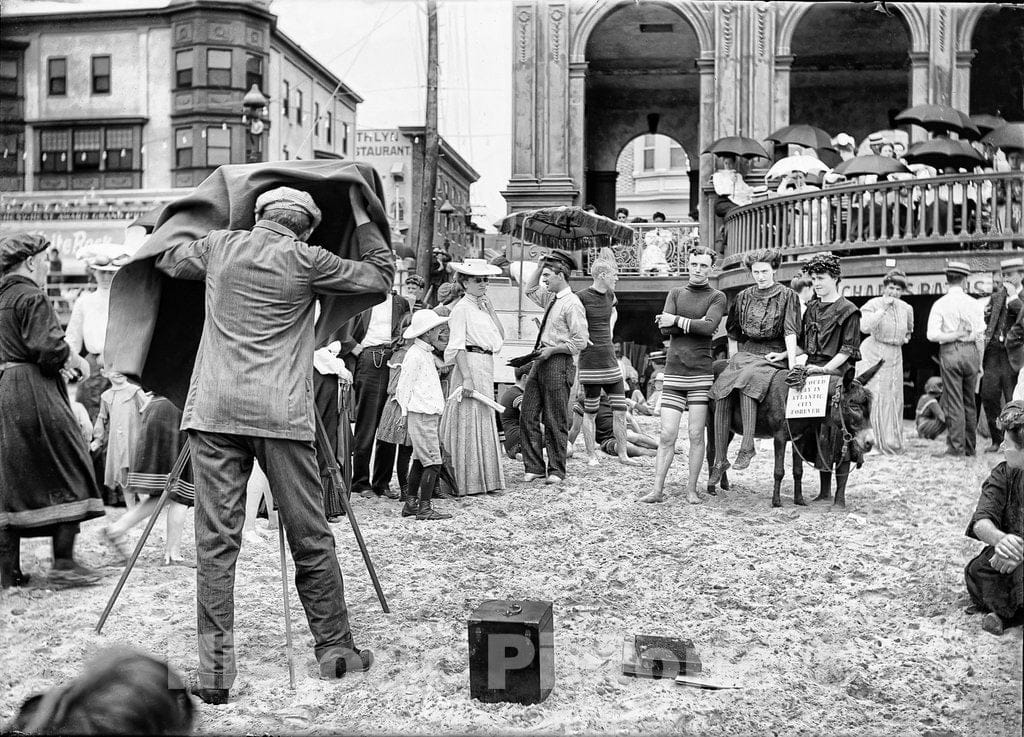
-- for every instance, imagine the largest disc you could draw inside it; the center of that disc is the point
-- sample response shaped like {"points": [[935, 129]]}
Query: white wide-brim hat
{"points": [[423, 321], [475, 267]]}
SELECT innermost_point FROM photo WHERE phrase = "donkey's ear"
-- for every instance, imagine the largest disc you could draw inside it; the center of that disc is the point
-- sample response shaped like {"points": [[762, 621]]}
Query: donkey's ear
{"points": [[868, 375]]}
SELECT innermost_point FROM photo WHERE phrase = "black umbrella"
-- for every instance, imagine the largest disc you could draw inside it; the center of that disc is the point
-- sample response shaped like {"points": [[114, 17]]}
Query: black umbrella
{"points": [[987, 123], [1009, 138], [871, 164], [939, 119], [737, 146], [808, 136], [944, 152]]}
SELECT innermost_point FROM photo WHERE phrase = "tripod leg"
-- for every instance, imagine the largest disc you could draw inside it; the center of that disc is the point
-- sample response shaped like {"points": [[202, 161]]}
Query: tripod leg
{"points": [[324, 446], [287, 609], [172, 479]]}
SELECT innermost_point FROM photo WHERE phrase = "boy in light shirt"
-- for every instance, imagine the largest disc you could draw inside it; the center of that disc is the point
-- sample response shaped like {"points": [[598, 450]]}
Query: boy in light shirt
{"points": [[422, 401]]}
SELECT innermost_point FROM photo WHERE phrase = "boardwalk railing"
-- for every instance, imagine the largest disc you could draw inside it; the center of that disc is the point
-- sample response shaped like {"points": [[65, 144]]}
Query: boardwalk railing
{"points": [[658, 249], [950, 212]]}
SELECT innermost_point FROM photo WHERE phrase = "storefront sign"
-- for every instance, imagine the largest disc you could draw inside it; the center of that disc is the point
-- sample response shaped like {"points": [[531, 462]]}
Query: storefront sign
{"points": [[917, 284], [68, 237], [379, 143]]}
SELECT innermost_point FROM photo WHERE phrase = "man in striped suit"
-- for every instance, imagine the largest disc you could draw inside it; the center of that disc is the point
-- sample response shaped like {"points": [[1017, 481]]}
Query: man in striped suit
{"points": [[599, 369]]}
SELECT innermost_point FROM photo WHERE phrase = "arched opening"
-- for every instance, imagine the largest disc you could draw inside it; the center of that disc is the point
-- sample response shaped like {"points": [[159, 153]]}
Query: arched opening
{"points": [[997, 72], [850, 68], [641, 79], [653, 176]]}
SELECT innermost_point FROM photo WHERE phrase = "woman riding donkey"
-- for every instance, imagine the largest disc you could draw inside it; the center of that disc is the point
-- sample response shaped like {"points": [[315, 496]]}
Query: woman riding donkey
{"points": [[763, 324]]}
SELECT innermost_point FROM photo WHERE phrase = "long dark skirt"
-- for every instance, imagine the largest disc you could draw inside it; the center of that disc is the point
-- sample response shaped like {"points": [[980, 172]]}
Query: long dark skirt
{"points": [[748, 372], [160, 443], [46, 475], [1002, 593]]}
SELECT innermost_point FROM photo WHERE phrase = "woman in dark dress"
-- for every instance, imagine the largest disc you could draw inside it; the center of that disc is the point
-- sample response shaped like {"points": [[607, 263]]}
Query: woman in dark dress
{"points": [[830, 331], [995, 577], [46, 478], [763, 324]]}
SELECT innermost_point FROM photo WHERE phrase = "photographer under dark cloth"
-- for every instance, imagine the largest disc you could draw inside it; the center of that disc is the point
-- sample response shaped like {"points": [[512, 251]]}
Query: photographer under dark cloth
{"points": [[251, 397]]}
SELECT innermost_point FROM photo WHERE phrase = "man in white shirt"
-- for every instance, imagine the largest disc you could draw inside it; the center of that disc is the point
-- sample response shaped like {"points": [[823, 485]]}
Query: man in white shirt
{"points": [[87, 327], [368, 347], [957, 324]]}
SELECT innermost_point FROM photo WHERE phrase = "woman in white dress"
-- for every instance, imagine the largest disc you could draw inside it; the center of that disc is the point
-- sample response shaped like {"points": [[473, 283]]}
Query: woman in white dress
{"points": [[469, 432]]}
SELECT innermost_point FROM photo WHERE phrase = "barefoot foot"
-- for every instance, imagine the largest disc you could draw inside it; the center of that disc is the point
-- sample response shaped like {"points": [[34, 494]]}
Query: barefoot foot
{"points": [[654, 497]]}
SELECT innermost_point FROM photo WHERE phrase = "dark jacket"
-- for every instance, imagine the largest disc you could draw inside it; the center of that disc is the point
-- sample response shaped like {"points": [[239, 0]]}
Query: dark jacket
{"points": [[355, 331], [1003, 328]]}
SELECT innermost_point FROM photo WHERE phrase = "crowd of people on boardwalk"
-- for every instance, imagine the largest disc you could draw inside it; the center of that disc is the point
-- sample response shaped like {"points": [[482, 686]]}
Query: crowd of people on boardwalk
{"points": [[423, 380]]}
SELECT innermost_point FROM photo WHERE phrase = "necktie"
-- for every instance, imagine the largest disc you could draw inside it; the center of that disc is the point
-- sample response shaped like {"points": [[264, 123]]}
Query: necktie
{"points": [[544, 322]]}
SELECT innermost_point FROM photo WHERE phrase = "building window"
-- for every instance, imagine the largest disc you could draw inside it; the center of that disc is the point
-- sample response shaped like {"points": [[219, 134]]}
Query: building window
{"points": [[344, 138], [677, 157], [9, 77], [648, 152], [118, 151], [183, 62], [183, 148], [286, 99], [100, 75], [53, 150], [85, 151], [298, 106], [316, 119], [330, 126], [12, 144], [218, 146], [218, 68], [57, 74], [254, 71]]}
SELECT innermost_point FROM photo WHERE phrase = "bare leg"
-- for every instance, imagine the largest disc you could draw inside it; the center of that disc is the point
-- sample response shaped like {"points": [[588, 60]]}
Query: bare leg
{"points": [[697, 423], [256, 488], [136, 514], [666, 450], [638, 451], [589, 439], [644, 441], [175, 523], [621, 439], [574, 431]]}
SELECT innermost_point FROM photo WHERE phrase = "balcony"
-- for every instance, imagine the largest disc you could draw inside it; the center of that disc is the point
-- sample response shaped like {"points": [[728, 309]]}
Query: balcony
{"points": [[940, 217], [657, 250]]}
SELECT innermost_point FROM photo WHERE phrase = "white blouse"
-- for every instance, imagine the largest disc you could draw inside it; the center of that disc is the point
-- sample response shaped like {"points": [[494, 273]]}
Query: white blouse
{"points": [[471, 324]]}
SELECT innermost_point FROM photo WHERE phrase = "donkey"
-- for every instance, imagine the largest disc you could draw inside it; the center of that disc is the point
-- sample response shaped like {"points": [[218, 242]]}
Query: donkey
{"points": [[838, 439]]}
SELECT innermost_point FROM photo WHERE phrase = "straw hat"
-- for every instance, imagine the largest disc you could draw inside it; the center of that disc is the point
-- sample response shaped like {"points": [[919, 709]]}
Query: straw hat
{"points": [[423, 321], [475, 267]]}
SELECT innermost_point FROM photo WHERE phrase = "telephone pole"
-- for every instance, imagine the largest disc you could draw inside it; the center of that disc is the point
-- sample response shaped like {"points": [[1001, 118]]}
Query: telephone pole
{"points": [[428, 176]]}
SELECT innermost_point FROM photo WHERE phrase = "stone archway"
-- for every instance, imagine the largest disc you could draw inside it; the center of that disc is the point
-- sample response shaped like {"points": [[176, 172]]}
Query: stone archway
{"points": [[851, 67], [654, 175], [641, 78], [997, 70]]}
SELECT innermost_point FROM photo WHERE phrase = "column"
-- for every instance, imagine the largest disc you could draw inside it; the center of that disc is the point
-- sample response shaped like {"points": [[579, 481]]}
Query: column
{"points": [[554, 166], [780, 93], [962, 80], [524, 95], [708, 133], [577, 127], [759, 49]]}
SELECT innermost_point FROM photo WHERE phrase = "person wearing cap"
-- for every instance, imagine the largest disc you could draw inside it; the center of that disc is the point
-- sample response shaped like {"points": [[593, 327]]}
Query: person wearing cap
{"points": [[563, 334], [600, 372], [957, 323], [47, 486], [690, 318], [1004, 352], [888, 322], [251, 396], [87, 328], [469, 431], [419, 395], [413, 290]]}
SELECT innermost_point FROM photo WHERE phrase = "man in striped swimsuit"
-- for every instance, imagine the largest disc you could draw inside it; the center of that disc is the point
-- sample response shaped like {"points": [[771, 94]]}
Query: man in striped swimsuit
{"points": [[691, 316], [599, 369]]}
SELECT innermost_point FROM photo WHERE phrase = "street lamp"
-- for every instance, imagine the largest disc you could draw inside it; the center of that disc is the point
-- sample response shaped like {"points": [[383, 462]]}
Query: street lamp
{"points": [[257, 121]]}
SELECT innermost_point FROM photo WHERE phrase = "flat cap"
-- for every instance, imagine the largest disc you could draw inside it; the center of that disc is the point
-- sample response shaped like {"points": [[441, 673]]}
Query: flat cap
{"points": [[17, 247], [1011, 263], [561, 258], [286, 198], [416, 279], [957, 267]]}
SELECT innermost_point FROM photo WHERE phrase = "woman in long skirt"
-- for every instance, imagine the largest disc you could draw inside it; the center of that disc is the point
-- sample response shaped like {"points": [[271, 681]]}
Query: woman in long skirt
{"points": [[468, 430], [889, 321], [47, 485]]}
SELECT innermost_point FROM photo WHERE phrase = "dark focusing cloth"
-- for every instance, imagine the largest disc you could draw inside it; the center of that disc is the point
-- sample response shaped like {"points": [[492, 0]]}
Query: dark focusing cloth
{"points": [[830, 329], [759, 320], [46, 474], [1001, 503], [156, 321]]}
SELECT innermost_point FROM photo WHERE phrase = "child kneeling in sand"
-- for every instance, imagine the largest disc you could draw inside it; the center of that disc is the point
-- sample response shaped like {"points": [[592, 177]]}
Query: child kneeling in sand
{"points": [[422, 401]]}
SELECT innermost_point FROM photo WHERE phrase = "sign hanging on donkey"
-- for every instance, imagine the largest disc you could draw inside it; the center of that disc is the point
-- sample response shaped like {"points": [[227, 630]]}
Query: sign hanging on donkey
{"points": [[810, 401]]}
